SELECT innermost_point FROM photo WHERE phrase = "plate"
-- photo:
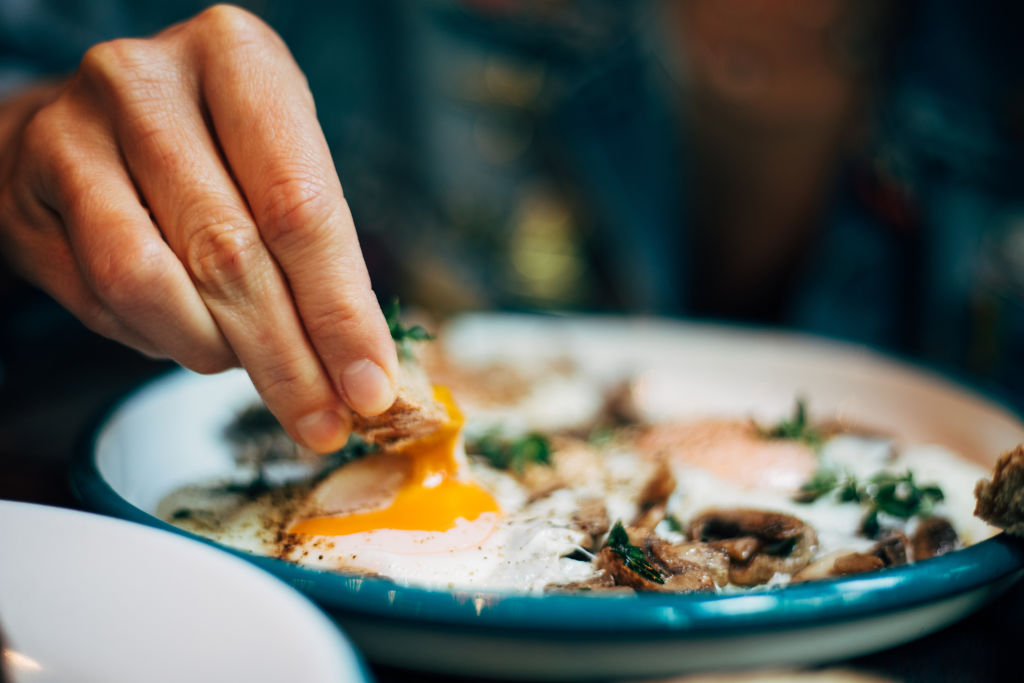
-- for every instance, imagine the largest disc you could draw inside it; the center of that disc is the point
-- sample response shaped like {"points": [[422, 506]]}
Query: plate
{"points": [[169, 433], [89, 598]]}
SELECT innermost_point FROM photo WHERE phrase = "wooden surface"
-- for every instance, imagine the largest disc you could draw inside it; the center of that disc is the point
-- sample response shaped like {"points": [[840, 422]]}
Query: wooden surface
{"points": [[50, 396]]}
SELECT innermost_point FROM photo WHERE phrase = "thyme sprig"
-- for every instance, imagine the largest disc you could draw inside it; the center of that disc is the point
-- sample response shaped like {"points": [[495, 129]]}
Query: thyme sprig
{"points": [[796, 428], [404, 336], [633, 557]]}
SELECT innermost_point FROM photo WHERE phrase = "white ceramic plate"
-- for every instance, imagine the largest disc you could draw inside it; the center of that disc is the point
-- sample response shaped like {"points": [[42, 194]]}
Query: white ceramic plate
{"points": [[92, 599], [170, 433]]}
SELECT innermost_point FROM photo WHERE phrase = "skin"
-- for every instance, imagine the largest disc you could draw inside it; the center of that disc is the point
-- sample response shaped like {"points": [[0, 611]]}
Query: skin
{"points": [[177, 194]]}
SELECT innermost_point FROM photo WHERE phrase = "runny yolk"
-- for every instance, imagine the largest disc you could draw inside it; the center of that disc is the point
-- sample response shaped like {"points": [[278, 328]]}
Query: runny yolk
{"points": [[431, 498]]}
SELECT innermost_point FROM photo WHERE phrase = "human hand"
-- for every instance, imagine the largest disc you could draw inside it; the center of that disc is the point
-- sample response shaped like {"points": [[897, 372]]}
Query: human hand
{"points": [[177, 194]]}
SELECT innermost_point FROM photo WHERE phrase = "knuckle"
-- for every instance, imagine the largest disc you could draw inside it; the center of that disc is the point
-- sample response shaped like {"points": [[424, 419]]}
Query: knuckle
{"points": [[230, 24], [221, 257], [126, 278], [43, 135], [113, 60], [285, 383], [295, 209], [329, 325], [128, 73]]}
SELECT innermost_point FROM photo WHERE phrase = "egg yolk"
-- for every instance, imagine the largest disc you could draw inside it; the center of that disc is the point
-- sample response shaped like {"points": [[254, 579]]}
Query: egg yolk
{"points": [[431, 498]]}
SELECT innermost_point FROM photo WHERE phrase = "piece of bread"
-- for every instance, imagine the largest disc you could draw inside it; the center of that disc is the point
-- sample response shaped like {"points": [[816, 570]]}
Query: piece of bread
{"points": [[414, 414], [1001, 500]]}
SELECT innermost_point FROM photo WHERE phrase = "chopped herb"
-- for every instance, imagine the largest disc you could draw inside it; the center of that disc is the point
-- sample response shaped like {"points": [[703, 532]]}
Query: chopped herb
{"points": [[899, 496], [869, 525], [511, 454], [257, 440], [673, 524], [796, 428], [403, 336], [633, 557], [601, 435], [252, 424], [821, 483], [896, 495]]}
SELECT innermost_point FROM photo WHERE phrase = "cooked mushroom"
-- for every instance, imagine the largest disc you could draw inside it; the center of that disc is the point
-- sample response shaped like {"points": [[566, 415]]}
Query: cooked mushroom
{"points": [[591, 517], [676, 557], [838, 563], [934, 536], [784, 543], [602, 582], [688, 577], [856, 563], [891, 549]]}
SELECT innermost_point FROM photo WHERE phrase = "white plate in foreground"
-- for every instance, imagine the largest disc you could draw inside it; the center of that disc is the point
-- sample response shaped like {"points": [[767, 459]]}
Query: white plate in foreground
{"points": [[92, 599]]}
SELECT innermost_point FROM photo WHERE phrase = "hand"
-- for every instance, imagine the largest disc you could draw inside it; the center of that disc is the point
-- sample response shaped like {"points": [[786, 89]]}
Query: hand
{"points": [[177, 194]]}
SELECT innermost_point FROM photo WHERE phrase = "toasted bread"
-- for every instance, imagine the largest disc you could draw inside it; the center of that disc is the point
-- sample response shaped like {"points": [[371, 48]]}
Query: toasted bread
{"points": [[1001, 500]]}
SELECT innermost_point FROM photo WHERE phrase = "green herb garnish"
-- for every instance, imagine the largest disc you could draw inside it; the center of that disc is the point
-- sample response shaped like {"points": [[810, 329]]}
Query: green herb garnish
{"points": [[796, 428], [511, 454], [896, 495], [899, 496], [633, 557], [403, 336], [253, 423], [673, 523], [821, 483]]}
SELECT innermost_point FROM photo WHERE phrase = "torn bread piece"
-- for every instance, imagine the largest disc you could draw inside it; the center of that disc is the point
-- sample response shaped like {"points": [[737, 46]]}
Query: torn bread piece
{"points": [[1001, 500], [415, 413]]}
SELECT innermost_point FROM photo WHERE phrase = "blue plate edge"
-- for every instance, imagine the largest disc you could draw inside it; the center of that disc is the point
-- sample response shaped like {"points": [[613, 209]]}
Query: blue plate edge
{"points": [[644, 615]]}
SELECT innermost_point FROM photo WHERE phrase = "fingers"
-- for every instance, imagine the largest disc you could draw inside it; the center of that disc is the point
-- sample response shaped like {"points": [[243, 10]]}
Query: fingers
{"points": [[277, 153], [176, 164], [121, 255]]}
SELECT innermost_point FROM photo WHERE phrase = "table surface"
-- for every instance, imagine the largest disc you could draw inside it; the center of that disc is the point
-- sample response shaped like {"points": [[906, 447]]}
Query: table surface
{"points": [[50, 397]]}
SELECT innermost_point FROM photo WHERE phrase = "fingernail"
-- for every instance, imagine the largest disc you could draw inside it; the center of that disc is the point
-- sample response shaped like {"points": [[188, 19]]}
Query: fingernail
{"points": [[324, 431], [367, 388]]}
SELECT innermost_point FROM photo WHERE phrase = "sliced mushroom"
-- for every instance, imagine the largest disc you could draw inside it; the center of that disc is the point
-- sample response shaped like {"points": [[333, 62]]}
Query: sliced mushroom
{"points": [[892, 548], [786, 543], [739, 549], [650, 518], [856, 563], [602, 582], [838, 563], [675, 558], [934, 536], [658, 488], [591, 517], [689, 577], [651, 504]]}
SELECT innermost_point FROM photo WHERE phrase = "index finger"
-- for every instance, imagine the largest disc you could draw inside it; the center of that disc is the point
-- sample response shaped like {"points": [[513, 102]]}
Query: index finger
{"points": [[264, 119]]}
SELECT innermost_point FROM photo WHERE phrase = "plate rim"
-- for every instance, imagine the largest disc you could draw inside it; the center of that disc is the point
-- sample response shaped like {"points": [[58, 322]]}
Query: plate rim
{"points": [[350, 662], [640, 616]]}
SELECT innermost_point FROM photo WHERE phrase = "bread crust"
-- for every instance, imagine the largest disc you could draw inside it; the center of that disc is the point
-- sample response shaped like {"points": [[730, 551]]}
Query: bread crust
{"points": [[414, 414], [1000, 501]]}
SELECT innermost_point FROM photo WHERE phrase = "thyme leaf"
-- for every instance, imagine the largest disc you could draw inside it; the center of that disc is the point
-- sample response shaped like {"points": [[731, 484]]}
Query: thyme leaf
{"points": [[403, 336], [633, 557], [511, 454], [796, 428]]}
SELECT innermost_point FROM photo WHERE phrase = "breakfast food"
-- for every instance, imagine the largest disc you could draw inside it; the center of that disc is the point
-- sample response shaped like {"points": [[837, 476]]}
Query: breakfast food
{"points": [[1001, 499], [544, 478]]}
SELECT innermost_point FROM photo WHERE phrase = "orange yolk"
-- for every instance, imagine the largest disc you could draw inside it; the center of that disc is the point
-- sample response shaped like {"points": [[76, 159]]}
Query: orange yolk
{"points": [[431, 498]]}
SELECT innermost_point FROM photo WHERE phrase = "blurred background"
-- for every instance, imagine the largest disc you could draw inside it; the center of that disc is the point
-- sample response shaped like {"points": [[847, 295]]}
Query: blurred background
{"points": [[847, 167]]}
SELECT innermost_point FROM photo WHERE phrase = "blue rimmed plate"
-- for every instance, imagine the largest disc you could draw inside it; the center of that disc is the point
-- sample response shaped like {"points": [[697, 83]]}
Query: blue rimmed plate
{"points": [[169, 433]]}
